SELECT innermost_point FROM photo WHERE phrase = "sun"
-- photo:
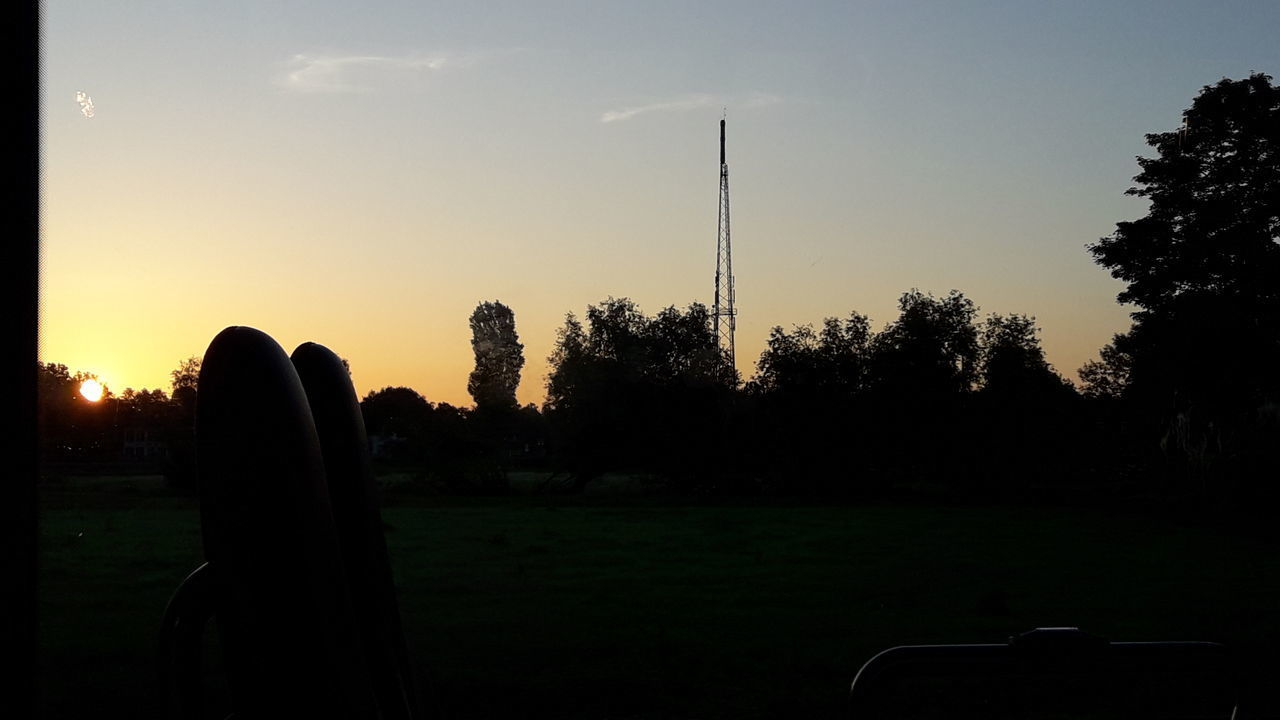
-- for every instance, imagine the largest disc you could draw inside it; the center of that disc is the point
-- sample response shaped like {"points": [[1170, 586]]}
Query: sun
{"points": [[91, 390]]}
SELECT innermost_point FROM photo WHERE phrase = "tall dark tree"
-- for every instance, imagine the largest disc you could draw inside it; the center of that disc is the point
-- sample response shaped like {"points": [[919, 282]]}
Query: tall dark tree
{"points": [[1213, 227], [1011, 361], [181, 469], [186, 375], [682, 350], [1202, 358], [414, 431], [499, 357], [56, 395], [1108, 376], [805, 361], [806, 395], [790, 362], [622, 345], [923, 366], [1026, 410], [931, 348], [398, 411], [185, 378], [570, 363], [632, 391]]}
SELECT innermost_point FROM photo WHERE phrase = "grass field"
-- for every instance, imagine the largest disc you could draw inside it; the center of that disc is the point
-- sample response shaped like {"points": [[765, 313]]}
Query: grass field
{"points": [[628, 608]]}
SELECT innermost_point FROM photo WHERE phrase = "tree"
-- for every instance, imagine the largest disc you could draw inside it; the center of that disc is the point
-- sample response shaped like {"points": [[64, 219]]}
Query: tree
{"points": [[1027, 411], [1108, 376], [149, 408], [187, 374], [69, 425], [1201, 266], [922, 368], [629, 390], [845, 349], [931, 348], [789, 362], [186, 378], [681, 349], [412, 428], [1213, 227], [620, 345], [56, 395], [805, 362], [399, 411], [402, 420], [805, 395], [1011, 361], [499, 357], [1203, 355], [569, 362]]}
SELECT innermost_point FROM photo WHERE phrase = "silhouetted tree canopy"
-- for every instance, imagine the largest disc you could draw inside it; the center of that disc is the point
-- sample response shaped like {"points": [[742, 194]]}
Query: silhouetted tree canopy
{"points": [[637, 391], [57, 396], [185, 379], [847, 410], [621, 344], [145, 407], [680, 349], [1011, 360], [1108, 376], [396, 411], [1202, 265], [1031, 426], [931, 348], [187, 374], [1213, 227], [803, 361], [1202, 358], [499, 357], [69, 425]]}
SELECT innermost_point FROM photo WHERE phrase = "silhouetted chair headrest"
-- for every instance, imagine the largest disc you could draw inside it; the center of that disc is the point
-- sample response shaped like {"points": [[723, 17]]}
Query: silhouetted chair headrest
{"points": [[297, 572]]}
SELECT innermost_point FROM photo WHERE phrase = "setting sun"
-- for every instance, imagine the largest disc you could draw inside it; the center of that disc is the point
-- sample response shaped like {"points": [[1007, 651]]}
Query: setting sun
{"points": [[91, 390]]}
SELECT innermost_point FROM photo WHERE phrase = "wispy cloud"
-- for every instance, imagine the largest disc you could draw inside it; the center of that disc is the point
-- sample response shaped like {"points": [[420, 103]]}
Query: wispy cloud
{"points": [[687, 102], [318, 73], [691, 102]]}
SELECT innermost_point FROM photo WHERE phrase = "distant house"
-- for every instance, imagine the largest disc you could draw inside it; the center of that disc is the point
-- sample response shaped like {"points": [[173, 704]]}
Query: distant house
{"points": [[142, 443]]}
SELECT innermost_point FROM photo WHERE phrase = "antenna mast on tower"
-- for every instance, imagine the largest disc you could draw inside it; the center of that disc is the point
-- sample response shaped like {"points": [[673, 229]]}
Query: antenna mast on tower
{"points": [[723, 313]]}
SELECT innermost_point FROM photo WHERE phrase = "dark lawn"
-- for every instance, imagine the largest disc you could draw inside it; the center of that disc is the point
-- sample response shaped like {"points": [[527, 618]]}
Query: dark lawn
{"points": [[581, 608]]}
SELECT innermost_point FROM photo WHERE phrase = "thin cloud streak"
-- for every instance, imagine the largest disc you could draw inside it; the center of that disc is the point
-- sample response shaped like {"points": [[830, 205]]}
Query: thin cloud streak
{"points": [[332, 73], [686, 103], [690, 102]]}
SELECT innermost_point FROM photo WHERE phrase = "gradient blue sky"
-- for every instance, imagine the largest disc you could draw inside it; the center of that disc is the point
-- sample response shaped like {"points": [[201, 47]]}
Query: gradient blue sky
{"points": [[363, 175]]}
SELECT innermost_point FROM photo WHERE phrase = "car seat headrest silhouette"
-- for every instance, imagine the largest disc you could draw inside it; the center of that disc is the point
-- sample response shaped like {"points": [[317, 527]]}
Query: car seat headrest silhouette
{"points": [[297, 574]]}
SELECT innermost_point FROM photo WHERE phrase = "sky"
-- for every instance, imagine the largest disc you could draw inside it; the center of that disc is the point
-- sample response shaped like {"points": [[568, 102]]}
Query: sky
{"points": [[362, 175]]}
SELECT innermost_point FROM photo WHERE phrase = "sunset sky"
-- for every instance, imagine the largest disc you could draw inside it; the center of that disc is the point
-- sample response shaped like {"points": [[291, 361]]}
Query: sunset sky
{"points": [[362, 175]]}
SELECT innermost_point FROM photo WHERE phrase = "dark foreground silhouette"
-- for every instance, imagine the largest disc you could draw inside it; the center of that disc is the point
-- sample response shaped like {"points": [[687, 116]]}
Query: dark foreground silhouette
{"points": [[298, 580], [297, 574]]}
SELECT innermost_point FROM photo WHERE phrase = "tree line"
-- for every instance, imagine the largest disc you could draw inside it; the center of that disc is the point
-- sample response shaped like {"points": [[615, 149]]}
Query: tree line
{"points": [[935, 397], [1184, 406], [144, 427]]}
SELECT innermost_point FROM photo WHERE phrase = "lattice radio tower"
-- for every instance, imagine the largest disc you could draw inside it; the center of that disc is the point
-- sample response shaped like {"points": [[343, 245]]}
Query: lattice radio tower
{"points": [[723, 313]]}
